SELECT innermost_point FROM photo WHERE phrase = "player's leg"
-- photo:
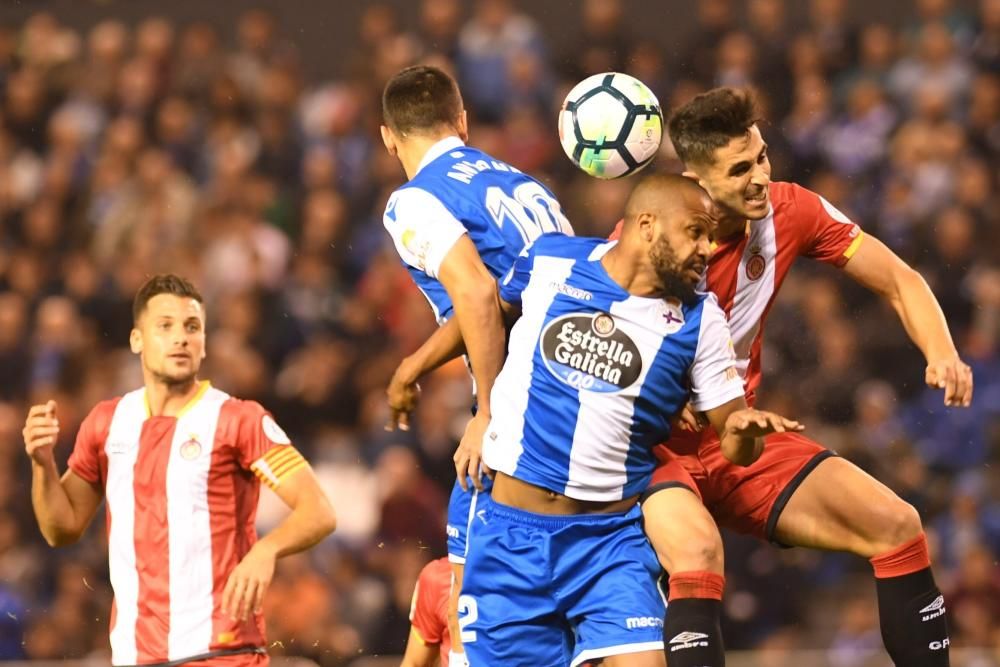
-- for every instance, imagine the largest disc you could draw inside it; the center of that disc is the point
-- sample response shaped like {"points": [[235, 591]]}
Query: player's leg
{"points": [[689, 547], [607, 578], [839, 507]]}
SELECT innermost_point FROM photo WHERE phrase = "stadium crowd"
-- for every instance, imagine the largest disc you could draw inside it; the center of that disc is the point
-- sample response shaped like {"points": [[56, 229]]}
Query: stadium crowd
{"points": [[205, 150]]}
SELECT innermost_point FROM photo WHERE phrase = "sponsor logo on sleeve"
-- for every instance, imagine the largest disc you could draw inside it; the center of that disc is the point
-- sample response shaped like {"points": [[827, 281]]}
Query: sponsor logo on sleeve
{"points": [[273, 431]]}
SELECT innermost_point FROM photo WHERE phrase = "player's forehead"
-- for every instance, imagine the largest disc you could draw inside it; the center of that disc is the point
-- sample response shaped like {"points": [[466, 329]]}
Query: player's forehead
{"points": [[691, 207], [739, 149], [173, 306]]}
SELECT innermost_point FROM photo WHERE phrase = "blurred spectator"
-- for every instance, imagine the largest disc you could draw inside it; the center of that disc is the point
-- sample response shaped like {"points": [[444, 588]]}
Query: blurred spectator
{"points": [[212, 151]]}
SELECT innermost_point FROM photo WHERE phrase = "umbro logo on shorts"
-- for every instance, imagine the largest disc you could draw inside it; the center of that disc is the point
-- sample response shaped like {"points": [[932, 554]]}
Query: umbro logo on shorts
{"points": [[933, 610], [688, 640]]}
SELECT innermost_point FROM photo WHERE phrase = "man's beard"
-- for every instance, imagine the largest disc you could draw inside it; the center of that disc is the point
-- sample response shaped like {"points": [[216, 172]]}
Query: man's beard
{"points": [[671, 272]]}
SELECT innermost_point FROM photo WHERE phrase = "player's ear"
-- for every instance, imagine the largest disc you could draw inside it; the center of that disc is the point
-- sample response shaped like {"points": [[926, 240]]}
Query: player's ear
{"points": [[463, 126], [687, 173], [135, 341], [645, 222], [388, 138]]}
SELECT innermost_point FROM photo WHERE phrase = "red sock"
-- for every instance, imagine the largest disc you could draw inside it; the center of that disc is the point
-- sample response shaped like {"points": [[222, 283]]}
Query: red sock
{"points": [[907, 558], [703, 584], [692, 633]]}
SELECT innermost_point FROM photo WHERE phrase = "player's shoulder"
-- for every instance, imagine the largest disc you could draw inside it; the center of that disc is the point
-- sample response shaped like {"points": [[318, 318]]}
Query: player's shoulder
{"points": [[791, 199], [557, 244], [242, 409], [247, 416], [437, 571], [100, 416], [706, 307]]}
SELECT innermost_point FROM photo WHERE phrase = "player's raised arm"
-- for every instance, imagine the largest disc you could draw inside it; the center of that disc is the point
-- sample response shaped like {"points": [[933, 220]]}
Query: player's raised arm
{"points": [[64, 507], [879, 269]]}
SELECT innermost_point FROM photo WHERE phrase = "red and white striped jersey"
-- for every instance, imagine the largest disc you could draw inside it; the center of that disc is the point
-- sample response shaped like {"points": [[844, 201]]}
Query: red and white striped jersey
{"points": [[429, 608], [745, 271], [181, 501]]}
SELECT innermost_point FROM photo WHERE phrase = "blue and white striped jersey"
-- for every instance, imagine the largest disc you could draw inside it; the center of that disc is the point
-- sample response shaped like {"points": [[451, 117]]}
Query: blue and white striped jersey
{"points": [[593, 374], [457, 190]]}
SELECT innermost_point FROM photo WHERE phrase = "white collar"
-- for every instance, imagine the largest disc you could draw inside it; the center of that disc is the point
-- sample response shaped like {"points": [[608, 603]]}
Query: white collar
{"points": [[439, 149]]}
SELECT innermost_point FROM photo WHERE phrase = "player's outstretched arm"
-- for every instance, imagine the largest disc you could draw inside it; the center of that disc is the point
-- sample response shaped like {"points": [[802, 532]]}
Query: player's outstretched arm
{"points": [[741, 429], [64, 507], [312, 518], [879, 269], [473, 292]]}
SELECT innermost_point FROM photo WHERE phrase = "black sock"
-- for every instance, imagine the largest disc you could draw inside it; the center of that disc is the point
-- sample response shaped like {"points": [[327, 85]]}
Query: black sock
{"points": [[692, 636], [911, 611]]}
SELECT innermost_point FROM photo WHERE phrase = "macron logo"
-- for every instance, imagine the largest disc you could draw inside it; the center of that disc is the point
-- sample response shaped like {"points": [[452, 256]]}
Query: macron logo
{"points": [[688, 640], [634, 622], [933, 610]]}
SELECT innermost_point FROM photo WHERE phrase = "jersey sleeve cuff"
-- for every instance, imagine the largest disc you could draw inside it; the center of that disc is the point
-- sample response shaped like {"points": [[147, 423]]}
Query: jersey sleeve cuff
{"points": [[442, 247], [717, 398], [85, 475]]}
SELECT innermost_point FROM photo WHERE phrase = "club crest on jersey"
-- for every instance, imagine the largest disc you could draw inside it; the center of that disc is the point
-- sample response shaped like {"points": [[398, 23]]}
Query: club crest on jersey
{"points": [[673, 315], [190, 449], [755, 264], [589, 351]]}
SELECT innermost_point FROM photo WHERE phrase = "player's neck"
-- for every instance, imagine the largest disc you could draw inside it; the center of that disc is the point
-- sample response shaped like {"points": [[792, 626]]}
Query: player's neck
{"points": [[165, 399], [730, 226], [626, 268], [412, 153]]}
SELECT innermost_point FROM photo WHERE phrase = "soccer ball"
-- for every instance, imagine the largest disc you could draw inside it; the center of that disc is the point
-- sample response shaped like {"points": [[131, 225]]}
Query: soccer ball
{"points": [[610, 125]]}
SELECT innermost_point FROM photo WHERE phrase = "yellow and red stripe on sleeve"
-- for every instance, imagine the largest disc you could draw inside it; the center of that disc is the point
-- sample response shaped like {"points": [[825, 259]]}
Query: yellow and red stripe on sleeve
{"points": [[278, 464]]}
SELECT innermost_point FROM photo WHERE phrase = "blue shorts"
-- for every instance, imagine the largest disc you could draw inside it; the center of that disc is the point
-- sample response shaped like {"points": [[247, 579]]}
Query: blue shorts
{"points": [[551, 591], [461, 508]]}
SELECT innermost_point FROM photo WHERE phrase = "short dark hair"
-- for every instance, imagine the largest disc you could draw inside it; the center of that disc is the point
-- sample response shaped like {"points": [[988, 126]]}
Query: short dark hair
{"points": [[419, 99], [164, 283], [710, 121]]}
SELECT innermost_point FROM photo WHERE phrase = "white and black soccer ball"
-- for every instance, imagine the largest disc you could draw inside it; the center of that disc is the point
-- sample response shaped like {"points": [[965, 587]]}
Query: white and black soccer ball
{"points": [[610, 125]]}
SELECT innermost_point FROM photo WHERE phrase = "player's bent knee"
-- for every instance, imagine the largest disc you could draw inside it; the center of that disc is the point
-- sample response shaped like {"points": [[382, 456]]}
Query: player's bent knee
{"points": [[682, 532], [905, 523], [898, 523]]}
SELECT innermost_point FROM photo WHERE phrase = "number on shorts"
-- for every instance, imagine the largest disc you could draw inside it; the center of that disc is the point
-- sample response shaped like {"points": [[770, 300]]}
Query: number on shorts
{"points": [[468, 613]]}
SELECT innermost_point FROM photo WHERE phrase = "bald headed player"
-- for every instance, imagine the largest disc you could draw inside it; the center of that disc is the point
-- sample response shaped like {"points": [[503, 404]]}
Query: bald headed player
{"points": [[612, 339]]}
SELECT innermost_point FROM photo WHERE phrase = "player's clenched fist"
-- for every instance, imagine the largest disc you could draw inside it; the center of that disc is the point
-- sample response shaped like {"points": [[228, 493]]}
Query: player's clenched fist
{"points": [[955, 377], [41, 430]]}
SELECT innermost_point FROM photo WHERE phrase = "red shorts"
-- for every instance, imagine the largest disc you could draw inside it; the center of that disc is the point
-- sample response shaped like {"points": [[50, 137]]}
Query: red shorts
{"points": [[748, 499]]}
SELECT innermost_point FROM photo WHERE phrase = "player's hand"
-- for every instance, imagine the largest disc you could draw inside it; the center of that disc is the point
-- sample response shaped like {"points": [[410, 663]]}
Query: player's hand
{"points": [[247, 583], [41, 430], [468, 456], [750, 423], [403, 394], [955, 377], [687, 420]]}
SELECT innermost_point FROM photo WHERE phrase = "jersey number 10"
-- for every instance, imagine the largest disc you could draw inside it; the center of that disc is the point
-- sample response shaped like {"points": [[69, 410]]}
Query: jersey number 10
{"points": [[531, 210]]}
